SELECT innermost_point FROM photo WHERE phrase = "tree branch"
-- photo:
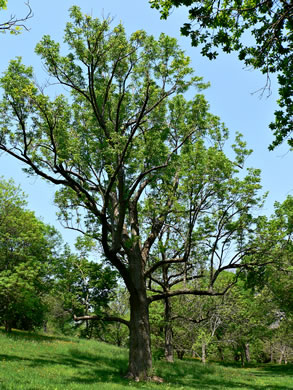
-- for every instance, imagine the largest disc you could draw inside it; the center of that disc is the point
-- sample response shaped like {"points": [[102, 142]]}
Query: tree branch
{"points": [[102, 317]]}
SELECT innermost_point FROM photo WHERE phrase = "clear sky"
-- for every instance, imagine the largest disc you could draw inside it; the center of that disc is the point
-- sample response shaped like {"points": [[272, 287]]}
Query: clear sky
{"points": [[230, 95]]}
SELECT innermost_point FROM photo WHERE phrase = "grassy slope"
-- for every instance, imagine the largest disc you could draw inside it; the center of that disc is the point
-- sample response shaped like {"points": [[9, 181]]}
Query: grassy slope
{"points": [[35, 362]]}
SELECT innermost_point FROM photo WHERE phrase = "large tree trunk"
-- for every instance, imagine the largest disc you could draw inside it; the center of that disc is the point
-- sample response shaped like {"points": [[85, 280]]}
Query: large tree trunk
{"points": [[140, 357], [169, 351]]}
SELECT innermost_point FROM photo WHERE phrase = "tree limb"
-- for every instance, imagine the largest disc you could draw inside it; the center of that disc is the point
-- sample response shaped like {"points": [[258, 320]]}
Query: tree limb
{"points": [[102, 317]]}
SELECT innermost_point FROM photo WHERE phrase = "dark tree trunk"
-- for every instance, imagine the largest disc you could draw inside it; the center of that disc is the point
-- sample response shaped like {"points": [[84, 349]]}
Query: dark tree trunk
{"points": [[169, 351], [180, 353], [236, 356], [140, 358], [242, 358], [221, 353], [8, 326]]}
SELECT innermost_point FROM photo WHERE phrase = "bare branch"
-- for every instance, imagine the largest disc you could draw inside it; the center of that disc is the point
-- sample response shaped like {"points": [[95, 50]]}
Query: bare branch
{"points": [[169, 294], [14, 22], [161, 264]]}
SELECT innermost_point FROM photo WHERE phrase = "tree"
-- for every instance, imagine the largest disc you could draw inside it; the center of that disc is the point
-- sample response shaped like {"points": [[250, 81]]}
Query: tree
{"points": [[122, 152], [25, 250], [225, 24], [107, 329], [84, 287], [197, 319], [13, 24], [278, 290], [281, 288]]}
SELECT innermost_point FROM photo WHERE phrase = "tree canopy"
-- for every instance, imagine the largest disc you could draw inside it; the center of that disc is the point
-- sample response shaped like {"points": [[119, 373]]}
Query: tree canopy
{"points": [[228, 24]]}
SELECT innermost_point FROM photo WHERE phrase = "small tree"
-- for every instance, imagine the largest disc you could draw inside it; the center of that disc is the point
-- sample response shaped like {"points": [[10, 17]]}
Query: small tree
{"points": [[124, 154]]}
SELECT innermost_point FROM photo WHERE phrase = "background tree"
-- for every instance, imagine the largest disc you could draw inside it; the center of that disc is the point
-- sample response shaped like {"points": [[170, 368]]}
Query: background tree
{"points": [[121, 151], [83, 287], [226, 25], [274, 282], [26, 248], [114, 332]]}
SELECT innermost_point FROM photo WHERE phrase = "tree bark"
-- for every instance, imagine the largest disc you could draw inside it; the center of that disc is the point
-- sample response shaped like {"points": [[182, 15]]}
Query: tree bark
{"points": [[282, 354], [140, 358], [247, 352], [271, 354], [169, 350], [203, 352]]}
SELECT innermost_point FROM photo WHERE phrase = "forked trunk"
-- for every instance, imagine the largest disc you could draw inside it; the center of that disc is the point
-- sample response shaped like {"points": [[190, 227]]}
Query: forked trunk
{"points": [[140, 357]]}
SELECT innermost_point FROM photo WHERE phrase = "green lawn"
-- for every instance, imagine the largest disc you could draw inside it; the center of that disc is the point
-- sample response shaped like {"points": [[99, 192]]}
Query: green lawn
{"points": [[36, 362]]}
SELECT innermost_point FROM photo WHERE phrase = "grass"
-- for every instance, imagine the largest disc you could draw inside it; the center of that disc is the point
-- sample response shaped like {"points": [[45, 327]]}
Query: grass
{"points": [[38, 362]]}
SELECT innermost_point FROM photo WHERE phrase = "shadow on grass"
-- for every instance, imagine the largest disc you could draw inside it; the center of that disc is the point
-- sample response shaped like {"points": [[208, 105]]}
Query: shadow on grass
{"points": [[195, 375], [31, 336], [277, 370], [264, 368], [90, 368], [108, 365], [94, 369]]}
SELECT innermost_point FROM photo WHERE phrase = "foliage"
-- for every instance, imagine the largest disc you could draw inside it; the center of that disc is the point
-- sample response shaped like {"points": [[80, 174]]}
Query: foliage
{"points": [[78, 286], [246, 324], [3, 4], [86, 286], [114, 332], [281, 288], [26, 246], [227, 25]]}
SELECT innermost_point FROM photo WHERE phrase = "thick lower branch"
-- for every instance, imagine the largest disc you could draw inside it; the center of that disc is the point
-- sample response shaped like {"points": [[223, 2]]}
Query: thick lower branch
{"points": [[189, 319], [102, 318]]}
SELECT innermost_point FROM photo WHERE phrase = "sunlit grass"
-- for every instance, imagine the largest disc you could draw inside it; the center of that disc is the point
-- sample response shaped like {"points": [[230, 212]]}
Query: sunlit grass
{"points": [[38, 362]]}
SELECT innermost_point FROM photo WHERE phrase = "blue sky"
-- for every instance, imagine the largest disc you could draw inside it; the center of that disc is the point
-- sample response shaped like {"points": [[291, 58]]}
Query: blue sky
{"points": [[230, 95]]}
